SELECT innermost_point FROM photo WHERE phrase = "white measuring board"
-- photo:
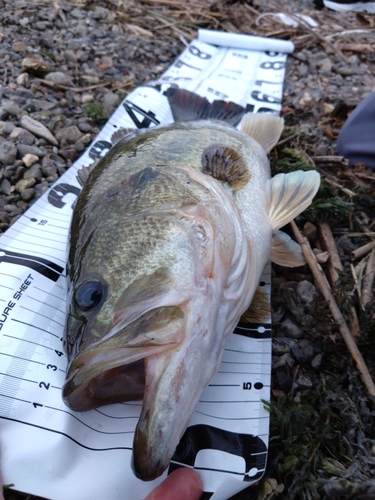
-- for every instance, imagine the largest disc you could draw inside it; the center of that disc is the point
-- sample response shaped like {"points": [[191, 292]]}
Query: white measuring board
{"points": [[50, 451]]}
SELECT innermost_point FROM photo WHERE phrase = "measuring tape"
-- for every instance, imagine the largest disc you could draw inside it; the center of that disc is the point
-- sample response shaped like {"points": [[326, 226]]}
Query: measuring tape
{"points": [[53, 452]]}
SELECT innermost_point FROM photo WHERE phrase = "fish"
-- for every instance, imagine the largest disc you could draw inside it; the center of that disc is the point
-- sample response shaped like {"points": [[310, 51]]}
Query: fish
{"points": [[169, 238]]}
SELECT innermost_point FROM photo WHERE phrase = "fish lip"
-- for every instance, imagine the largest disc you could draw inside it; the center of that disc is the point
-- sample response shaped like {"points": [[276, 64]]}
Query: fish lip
{"points": [[151, 333], [141, 465], [87, 366]]}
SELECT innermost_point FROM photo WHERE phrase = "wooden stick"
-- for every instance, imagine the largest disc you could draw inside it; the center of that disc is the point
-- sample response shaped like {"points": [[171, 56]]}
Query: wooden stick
{"points": [[343, 189], [75, 89], [357, 287], [368, 279], [341, 160], [335, 264], [362, 251], [325, 289], [329, 244]]}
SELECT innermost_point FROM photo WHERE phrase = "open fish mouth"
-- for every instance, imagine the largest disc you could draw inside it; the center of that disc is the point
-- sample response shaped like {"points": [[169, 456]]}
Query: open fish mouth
{"points": [[113, 370]]}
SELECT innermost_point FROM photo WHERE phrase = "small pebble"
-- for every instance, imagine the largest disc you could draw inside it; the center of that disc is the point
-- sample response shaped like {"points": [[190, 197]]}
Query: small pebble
{"points": [[25, 184], [303, 351], [307, 292], [30, 159], [27, 194], [8, 152], [38, 129], [59, 78], [291, 330]]}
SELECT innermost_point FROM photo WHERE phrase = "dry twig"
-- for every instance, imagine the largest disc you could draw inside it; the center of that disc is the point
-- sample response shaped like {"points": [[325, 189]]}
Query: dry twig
{"points": [[325, 289], [334, 265], [362, 251], [368, 279]]}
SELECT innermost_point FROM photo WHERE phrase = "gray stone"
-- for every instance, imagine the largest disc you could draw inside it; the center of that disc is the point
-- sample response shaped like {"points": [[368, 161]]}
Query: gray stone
{"points": [[291, 330], [71, 55], [8, 152], [41, 25], [27, 194], [49, 170], [9, 171], [12, 209], [15, 133], [303, 351], [24, 21], [41, 188], [34, 171], [316, 362], [70, 134], [110, 102], [282, 345], [59, 78], [84, 127], [24, 149], [306, 292], [8, 127], [54, 159], [284, 377], [70, 154], [304, 382], [4, 217], [38, 129], [6, 186], [346, 244], [26, 137], [42, 104], [10, 106]]}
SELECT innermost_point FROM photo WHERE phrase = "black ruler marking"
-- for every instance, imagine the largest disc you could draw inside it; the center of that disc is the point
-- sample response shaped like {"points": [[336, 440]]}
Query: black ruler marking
{"points": [[39, 264], [65, 435]]}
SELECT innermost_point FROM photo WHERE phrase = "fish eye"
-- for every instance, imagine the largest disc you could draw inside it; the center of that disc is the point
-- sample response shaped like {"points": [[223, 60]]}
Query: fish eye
{"points": [[88, 294]]}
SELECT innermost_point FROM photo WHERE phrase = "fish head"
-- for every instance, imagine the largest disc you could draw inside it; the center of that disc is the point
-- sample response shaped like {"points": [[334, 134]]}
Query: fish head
{"points": [[111, 330]]}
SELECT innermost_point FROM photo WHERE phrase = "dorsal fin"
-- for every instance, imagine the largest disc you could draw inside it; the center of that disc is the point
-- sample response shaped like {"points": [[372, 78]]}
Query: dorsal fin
{"points": [[285, 251], [265, 129], [289, 194], [186, 105], [121, 133], [225, 164], [83, 174]]}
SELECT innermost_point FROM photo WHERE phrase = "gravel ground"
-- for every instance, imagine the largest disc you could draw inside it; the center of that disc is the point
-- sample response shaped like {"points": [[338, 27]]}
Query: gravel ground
{"points": [[64, 67]]}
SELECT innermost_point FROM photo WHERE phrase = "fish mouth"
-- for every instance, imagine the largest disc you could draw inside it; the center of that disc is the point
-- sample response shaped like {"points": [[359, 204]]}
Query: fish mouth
{"points": [[113, 371], [104, 378]]}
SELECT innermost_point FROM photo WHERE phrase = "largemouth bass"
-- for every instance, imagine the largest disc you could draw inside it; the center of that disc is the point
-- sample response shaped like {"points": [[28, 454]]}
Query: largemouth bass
{"points": [[169, 238]]}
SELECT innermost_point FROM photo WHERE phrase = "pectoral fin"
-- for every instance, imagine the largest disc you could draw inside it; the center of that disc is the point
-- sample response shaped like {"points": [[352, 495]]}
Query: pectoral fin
{"points": [[289, 194], [285, 251], [259, 310], [225, 164]]}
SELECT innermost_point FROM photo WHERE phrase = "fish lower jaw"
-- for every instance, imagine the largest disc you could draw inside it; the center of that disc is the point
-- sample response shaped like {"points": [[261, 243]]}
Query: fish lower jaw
{"points": [[106, 378]]}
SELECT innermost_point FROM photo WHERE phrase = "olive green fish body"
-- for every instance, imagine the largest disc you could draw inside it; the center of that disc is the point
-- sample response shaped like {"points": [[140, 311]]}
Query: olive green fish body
{"points": [[169, 238]]}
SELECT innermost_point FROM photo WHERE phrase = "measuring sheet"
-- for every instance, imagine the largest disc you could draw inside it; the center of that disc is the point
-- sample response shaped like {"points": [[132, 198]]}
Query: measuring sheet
{"points": [[50, 451]]}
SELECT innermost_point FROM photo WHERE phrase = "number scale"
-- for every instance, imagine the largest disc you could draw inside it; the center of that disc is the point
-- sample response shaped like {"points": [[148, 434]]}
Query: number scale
{"points": [[56, 453]]}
